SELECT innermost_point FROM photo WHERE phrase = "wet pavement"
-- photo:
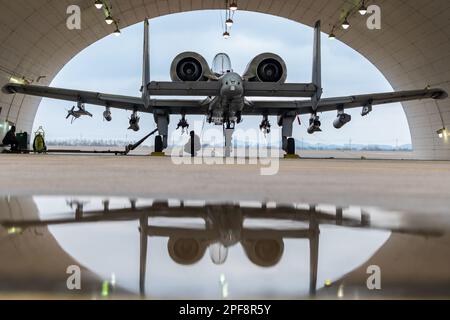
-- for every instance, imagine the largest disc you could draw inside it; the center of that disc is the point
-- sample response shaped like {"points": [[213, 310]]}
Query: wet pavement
{"points": [[171, 249]]}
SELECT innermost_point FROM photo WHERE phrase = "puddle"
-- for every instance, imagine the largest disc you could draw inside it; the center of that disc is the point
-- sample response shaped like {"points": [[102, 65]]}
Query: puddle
{"points": [[192, 249]]}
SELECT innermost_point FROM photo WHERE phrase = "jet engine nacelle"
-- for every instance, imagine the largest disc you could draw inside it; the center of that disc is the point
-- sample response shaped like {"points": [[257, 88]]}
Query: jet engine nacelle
{"points": [[190, 66], [186, 251], [266, 67], [341, 120], [264, 252]]}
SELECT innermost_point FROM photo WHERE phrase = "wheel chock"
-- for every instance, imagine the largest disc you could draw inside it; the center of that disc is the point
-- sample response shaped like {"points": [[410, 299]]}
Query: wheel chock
{"points": [[291, 156], [157, 154]]}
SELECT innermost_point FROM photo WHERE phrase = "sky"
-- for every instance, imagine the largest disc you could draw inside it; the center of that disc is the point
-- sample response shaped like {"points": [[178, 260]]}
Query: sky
{"points": [[114, 65]]}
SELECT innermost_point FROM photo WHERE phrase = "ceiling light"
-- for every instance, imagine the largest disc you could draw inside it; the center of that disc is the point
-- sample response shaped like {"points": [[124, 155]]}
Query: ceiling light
{"points": [[229, 22], [363, 9], [226, 34], [332, 36], [98, 4], [442, 133], [233, 6], [109, 19], [117, 32], [345, 24], [14, 230], [18, 80]]}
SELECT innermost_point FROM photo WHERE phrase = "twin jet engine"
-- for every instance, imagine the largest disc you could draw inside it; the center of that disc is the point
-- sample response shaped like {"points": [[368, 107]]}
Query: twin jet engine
{"points": [[191, 66]]}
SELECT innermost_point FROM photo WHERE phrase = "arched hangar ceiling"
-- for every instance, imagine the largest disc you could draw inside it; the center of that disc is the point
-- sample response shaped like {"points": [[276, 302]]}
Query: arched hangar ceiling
{"points": [[412, 49]]}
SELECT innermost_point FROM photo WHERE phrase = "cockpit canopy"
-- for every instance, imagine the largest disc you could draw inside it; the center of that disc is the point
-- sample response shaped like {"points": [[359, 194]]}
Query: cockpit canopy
{"points": [[221, 64]]}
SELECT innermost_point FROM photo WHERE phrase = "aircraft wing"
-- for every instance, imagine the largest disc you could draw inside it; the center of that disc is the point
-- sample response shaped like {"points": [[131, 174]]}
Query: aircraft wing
{"points": [[88, 97], [173, 106], [180, 106], [329, 104]]}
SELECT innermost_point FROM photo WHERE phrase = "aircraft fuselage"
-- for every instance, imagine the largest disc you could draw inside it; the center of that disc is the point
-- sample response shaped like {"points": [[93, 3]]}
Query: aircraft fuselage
{"points": [[226, 107]]}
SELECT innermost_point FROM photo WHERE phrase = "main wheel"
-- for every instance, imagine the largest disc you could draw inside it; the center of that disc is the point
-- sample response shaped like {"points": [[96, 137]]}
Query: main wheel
{"points": [[158, 144], [291, 146]]}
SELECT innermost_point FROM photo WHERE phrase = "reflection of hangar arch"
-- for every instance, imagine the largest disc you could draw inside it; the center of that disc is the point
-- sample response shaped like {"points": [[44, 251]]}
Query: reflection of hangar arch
{"points": [[32, 260], [412, 50]]}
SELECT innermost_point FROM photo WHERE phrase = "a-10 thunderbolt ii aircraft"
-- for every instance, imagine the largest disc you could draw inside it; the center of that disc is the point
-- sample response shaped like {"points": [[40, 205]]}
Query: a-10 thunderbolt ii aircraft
{"points": [[228, 94]]}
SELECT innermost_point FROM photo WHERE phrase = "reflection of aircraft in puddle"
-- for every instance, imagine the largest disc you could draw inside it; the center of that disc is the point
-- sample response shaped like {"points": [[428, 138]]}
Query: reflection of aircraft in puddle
{"points": [[225, 225]]}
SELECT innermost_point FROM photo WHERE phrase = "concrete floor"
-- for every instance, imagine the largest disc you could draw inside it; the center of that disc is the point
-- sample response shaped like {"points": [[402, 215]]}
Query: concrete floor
{"points": [[392, 184], [414, 260]]}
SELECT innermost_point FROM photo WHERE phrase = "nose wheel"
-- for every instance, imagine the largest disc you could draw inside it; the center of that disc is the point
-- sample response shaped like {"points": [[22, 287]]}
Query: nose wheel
{"points": [[230, 125], [228, 131]]}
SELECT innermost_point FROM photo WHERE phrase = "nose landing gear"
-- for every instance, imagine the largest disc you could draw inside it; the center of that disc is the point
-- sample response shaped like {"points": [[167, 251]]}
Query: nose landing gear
{"points": [[230, 125], [228, 130]]}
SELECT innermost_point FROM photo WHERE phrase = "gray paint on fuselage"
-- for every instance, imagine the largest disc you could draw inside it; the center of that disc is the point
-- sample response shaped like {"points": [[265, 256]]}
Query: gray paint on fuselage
{"points": [[230, 101]]}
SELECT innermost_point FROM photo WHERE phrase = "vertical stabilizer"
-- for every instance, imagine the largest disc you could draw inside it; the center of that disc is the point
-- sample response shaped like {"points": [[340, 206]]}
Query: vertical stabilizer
{"points": [[317, 66], [146, 64]]}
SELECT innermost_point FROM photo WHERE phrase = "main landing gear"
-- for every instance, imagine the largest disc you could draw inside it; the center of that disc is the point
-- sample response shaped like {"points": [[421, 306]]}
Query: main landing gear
{"points": [[288, 143], [162, 122]]}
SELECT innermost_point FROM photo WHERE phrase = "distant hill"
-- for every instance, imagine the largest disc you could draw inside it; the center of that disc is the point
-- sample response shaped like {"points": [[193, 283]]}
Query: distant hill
{"points": [[241, 144], [355, 147], [321, 146]]}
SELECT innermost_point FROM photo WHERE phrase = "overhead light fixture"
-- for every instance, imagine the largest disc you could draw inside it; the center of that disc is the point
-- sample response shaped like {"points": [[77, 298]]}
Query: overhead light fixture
{"points": [[332, 36], [98, 4], [233, 6], [109, 19], [229, 22], [442, 133], [345, 24], [226, 34], [14, 230], [18, 80], [117, 32], [363, 9]]}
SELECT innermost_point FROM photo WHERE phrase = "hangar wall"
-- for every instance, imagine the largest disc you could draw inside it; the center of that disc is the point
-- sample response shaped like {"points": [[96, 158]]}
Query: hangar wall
{"points": [[412, 49]]}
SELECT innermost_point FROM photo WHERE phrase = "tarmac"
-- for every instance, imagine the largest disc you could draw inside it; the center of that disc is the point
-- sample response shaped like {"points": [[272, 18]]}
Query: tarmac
{"points": [[414, 260], [406, 185]]}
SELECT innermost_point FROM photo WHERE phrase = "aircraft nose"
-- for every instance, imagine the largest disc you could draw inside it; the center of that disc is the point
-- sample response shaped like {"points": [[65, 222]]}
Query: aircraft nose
{"points": [[234, 88]]}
